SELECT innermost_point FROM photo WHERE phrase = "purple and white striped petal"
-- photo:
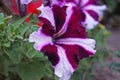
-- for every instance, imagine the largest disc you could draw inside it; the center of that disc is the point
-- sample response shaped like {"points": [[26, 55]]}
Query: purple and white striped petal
{"points": [[72, 50], [89, 22], [25, 1], [69, 12], [63, 69], [47, 13], [87, 44], [40, 39], [93, 15]]}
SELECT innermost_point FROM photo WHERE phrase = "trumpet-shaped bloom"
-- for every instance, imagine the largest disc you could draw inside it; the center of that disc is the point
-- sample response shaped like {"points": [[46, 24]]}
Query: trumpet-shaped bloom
{"points": [[92, 12], [63, 39]]}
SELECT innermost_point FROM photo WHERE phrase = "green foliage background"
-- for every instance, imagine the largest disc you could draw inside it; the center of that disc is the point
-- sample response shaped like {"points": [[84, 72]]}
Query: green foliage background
{"points": [[18, 59]]}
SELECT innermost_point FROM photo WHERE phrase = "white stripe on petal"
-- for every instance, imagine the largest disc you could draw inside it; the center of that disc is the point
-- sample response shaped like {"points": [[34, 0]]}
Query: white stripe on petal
{"points": [[83, 2], [98, 9], [40, 39], [47, 13], [69, 12], [63, 69], [89, 22], [25, 1], [87, 44]]}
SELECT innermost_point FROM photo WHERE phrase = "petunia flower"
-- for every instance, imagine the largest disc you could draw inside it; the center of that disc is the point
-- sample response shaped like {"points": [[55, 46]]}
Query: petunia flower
{"points": [[63, 39], [92, 11]]}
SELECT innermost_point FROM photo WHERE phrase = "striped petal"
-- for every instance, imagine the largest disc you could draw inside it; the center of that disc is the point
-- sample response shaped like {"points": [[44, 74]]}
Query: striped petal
{"points": [[25, 1], [65, 25], [70, 52], [63, 69], [88, 44], [47, 13], [40, 39], [89, 22], [93, 13]]}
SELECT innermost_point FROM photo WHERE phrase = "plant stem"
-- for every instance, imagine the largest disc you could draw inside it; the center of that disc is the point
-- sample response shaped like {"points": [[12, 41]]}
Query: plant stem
{"points": [[5, 8]]}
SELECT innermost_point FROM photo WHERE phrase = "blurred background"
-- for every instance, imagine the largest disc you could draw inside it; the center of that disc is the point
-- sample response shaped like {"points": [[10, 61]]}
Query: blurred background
{"points": [[105, 65]]}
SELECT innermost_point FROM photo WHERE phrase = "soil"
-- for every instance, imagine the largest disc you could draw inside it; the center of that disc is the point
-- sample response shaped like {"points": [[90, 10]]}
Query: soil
{"points": [[113, 41], [107, 73]]}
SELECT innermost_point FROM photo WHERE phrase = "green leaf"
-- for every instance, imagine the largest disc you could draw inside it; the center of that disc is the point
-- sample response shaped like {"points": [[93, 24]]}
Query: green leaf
{"points": [[5, 20], [32, 28], [1, 17], [11, 27], [32, 71], [30, 52], [14, 52], [22, 30], [2, 25], [7, 44], [20, 21]]}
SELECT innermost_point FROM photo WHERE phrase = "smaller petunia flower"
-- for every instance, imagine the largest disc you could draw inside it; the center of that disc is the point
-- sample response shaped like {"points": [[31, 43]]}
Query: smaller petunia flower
{"points": [[92, 11], [63, 39]]}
